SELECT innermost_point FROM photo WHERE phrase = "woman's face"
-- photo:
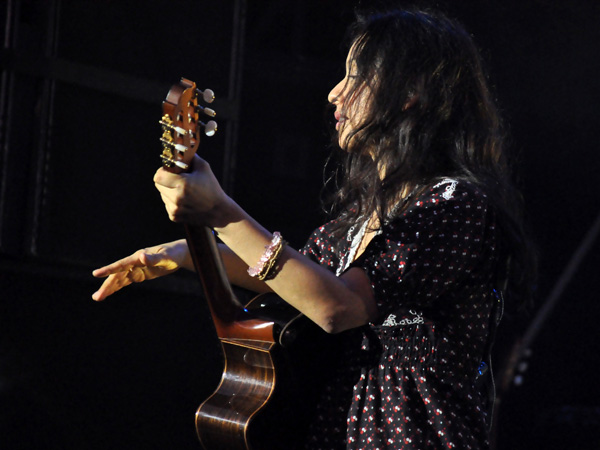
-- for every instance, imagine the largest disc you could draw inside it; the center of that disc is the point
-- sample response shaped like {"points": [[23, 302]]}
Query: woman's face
{"points": [[351, 99]]}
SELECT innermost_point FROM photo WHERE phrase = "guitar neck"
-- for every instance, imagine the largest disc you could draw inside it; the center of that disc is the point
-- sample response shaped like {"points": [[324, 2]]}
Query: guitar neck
{"points": [[230, 317], [204, 250], [181, 137]]}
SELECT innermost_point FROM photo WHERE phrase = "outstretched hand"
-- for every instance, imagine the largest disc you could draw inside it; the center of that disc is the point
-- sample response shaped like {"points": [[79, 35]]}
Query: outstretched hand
{"points": [[145, 264]]}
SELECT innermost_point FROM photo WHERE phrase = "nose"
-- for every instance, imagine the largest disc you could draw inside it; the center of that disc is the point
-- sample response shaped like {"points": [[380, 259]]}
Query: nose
{"points": [[335, 95]]}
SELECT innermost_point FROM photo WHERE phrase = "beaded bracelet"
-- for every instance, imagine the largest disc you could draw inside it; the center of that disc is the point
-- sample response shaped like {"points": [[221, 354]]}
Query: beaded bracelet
{"points": [[268, 259]]}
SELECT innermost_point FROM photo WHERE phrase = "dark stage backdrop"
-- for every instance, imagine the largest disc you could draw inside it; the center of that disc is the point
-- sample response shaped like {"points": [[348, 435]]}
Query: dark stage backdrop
{"points": [[80, 97]]}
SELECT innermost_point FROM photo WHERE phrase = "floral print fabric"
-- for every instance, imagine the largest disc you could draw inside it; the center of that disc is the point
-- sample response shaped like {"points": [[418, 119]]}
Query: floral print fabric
{"points": [[410, 380]]}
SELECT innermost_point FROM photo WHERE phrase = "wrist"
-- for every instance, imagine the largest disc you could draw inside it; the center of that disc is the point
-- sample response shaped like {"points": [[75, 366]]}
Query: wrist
{"points": [[225, 213]]}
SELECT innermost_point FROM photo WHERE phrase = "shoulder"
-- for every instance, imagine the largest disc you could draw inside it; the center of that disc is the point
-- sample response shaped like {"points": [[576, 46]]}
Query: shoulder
{"points": [[447, 196], [321, 245], [451, 191], [445, 205], [323, 233]]}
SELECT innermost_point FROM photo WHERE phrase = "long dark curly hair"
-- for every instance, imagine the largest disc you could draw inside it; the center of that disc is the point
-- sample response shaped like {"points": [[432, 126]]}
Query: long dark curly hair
{"points": [[431, 115]]}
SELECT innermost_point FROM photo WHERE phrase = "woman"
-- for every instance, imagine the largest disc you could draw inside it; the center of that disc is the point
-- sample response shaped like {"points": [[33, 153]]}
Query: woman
{"points": [[416, 258]]}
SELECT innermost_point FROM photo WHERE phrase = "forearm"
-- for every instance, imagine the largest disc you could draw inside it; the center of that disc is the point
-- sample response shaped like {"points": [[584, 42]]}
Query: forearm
{"points": [[333, 303], [235, 268], [237, 272]]}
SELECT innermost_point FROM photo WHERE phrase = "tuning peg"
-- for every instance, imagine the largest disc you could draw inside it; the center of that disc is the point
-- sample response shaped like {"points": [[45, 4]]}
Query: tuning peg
{"points": [[207, 94], [170, 126], [208, 111], [180, 148], [170, 162], [210, 128]]}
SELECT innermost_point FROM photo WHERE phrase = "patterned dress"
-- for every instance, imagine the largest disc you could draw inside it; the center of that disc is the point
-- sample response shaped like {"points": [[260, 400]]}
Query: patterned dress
{"points": [[411, 379]]}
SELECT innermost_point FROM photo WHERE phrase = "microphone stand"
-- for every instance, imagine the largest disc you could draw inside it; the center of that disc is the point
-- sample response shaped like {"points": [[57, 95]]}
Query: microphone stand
{"points": [[521, 349]]}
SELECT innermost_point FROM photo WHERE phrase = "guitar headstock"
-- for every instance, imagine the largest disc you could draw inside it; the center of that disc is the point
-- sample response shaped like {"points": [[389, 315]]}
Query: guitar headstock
{"points": [[182, 126]]}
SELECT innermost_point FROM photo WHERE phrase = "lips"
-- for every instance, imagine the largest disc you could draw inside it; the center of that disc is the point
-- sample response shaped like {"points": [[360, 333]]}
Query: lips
{"points": [[339, 118]]}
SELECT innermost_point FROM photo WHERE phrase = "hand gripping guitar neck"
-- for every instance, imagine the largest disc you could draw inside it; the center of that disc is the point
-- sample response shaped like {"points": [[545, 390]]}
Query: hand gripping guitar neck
{"points": [[246, 411]]}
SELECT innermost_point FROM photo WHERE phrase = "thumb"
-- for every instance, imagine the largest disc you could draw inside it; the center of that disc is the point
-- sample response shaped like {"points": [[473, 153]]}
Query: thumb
{"points": [[151, 259], [159, 259]]}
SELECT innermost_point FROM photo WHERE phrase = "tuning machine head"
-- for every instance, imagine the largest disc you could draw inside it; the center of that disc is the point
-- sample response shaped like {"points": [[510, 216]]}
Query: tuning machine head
{"points": [[210, 128], [208, 111], [207, 95]]}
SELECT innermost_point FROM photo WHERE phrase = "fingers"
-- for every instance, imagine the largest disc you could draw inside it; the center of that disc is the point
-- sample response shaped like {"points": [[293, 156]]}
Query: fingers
{"points": [[159, 258], [199, 164], [119, 266], [171, 180], [170, 187], [144, 264], [119, 274], [117, 281], [167, 179], [112, 284]]}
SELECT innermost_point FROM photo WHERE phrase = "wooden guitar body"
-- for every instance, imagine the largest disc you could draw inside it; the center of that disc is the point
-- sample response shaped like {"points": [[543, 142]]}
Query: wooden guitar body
{"points": [[268, 390], [264, 401], [248, 381]]}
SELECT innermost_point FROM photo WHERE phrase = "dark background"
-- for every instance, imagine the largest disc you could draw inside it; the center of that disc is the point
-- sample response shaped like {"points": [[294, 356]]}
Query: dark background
{"points": [[81, 88]]}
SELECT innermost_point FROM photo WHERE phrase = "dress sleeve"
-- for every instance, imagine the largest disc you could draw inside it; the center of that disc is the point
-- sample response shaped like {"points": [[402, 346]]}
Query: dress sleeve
{"points": [[431, 248], [321, 249]]}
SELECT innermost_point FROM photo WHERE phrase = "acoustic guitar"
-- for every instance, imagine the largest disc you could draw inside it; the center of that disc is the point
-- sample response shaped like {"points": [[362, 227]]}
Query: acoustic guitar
{"points": [[273, 354]]}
